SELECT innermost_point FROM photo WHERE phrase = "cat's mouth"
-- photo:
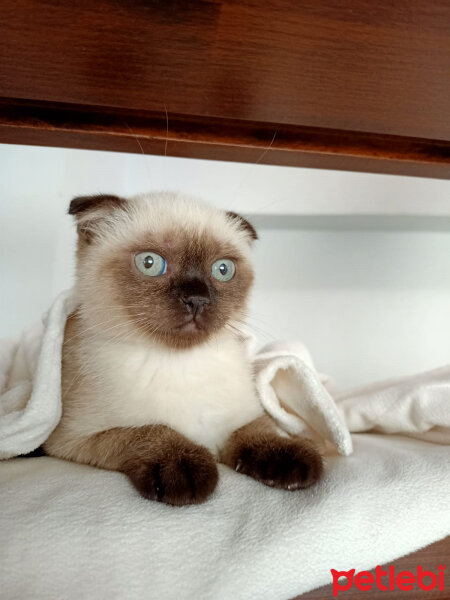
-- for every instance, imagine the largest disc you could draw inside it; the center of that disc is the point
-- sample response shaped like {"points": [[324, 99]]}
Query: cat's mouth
{"points": [[191, 325]]}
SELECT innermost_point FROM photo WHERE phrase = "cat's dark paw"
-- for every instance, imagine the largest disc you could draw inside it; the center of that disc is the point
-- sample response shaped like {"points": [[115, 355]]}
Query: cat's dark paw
{"points": [[179, 476], [286, 463]]}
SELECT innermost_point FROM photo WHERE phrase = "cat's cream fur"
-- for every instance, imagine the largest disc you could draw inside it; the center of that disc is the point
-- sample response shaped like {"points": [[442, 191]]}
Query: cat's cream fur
{"points": [[205, 393], [143, 392]]}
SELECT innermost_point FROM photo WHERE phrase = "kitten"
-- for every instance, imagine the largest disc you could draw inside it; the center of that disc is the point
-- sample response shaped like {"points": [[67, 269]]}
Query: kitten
{"points": [[156, 382]]}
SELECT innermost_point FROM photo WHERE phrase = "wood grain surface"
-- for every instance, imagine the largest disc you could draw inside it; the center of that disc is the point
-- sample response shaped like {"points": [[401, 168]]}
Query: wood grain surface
{"points": [[347, 84], [96, 128]]}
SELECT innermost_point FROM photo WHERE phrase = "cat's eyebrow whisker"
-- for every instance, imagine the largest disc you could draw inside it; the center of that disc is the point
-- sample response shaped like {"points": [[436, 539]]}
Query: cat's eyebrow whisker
{"points": [[251, 169], [167, 130], [141, 148], [267, 149]]}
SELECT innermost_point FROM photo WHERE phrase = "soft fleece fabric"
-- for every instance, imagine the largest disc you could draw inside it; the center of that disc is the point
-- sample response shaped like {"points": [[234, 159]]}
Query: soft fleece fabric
{"points": [[71, 531], [30, 388]]}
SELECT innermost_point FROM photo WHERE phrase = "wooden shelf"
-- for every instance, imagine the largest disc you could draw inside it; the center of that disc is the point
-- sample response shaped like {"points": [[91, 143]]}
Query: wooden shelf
{"points": [[352, 85]]}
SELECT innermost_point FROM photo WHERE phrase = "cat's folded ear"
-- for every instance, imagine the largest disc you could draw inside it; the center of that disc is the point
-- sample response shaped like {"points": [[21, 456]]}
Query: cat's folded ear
{"points": [[91, 212], [244, 225]]}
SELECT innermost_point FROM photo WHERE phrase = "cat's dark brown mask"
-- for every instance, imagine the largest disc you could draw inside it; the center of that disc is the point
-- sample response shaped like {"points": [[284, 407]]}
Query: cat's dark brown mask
{"points": [[164, 265]]}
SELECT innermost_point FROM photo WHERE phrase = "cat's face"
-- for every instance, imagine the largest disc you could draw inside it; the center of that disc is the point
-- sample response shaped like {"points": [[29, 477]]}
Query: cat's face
{"points": [[162, 267]]}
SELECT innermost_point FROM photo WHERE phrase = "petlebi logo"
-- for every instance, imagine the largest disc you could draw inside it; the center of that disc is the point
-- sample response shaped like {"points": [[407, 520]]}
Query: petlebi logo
{"points": [[388, 579]]}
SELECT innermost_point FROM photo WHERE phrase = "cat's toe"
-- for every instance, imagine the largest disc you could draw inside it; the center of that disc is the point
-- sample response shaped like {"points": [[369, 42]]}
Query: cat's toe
{"points": [[287, 463], [180, 478]]}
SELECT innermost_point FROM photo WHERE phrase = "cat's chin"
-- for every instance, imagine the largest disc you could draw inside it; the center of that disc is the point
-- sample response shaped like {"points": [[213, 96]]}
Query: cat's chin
{"points": [[189, 327], [188, 334]]}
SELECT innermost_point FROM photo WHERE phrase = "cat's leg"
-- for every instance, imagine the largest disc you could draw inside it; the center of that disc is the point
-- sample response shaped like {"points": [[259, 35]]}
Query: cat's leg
{"points": [[161, 463], [259, 451]]}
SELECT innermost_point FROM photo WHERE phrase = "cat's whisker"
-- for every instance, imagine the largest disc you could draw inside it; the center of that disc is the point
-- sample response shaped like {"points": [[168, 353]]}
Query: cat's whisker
{"points": [[118, 307], [258, 330], [84, 331], [97, 326], [142, 151], [253, 165], [234, 330], [167, 130]]}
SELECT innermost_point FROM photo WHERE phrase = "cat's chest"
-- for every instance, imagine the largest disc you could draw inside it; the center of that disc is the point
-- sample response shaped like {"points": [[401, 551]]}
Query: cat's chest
{"points": [[205, 393]]}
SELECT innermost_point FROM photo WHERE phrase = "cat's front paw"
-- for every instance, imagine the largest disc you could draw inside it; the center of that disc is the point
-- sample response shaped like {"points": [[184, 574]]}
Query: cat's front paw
{"points": [[179, 476], [286, 463]]}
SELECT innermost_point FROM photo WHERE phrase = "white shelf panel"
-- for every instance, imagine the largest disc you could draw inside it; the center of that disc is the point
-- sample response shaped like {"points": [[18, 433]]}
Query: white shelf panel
{"points": [[55, 174], [341, 222]]}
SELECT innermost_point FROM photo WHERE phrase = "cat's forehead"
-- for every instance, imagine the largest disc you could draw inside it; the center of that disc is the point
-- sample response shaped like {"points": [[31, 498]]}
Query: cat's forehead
{"points": [[177, 224], [184, 243]]}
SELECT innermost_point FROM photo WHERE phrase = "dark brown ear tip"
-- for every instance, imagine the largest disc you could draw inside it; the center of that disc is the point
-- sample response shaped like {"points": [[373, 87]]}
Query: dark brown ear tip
{"points": [[253, 232], [76, 205], [82, 204], [246, 225]]}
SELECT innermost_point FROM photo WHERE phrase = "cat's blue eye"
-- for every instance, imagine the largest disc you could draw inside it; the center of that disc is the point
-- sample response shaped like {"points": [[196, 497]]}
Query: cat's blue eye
{"points": [[150, 263], [223, 269]]}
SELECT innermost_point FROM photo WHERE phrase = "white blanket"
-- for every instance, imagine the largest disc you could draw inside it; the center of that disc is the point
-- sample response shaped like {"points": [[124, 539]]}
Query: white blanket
{"points": [[76, 532], [30, 388]]}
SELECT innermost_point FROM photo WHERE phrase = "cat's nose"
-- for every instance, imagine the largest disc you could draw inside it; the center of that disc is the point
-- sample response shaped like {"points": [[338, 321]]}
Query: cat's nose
{"points": [[195, 304]]}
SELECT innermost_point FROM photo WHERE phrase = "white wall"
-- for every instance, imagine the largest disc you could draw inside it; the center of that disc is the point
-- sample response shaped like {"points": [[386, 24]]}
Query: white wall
{"points": [[371, 301]]}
